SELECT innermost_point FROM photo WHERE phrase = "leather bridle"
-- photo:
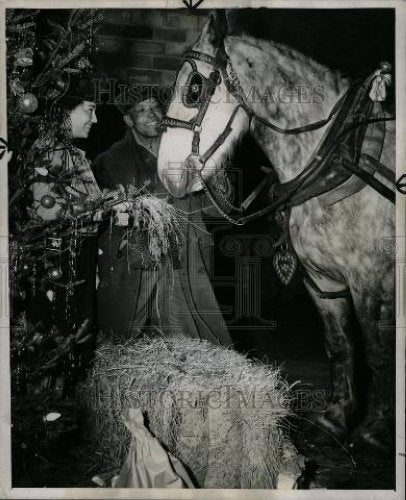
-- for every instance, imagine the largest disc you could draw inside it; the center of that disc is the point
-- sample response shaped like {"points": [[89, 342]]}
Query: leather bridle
{"points": [[197, 93]]}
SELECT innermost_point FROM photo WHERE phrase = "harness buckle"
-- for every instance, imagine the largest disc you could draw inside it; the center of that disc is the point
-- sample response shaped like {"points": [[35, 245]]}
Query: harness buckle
{"points": [[197, 128]]}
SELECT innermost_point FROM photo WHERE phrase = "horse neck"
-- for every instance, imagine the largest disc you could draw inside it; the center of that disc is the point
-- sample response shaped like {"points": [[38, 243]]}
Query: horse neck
{"points": [[270, 75]]}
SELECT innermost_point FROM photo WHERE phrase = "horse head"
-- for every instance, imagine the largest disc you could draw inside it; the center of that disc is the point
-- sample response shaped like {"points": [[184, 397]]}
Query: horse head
{"points": [[204, 120]]}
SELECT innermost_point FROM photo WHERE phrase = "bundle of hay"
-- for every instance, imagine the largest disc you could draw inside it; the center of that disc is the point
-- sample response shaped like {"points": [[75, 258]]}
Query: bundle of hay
{"points": [[215, 410], [159, 221]]}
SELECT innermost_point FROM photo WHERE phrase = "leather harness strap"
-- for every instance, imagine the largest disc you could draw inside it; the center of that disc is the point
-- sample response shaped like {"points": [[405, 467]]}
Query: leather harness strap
{"points": [[370, 179], [386, 172], [221, 138], [320, 293], [289, 194]]}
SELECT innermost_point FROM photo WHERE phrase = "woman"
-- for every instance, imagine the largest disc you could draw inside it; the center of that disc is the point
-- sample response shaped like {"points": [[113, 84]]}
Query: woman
{"points": [[63, 187]]}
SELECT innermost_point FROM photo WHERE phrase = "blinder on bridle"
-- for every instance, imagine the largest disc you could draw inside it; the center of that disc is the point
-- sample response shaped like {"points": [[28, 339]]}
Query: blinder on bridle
{"points": [[197, 93], [198, 87]]}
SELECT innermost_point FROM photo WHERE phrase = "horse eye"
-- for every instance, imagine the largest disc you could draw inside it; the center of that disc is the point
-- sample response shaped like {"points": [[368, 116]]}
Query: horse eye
{"points": [[195, 89]]}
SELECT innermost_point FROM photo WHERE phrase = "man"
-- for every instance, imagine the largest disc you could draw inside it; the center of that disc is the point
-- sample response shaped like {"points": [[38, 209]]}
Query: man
{"points": [[134, 290]]}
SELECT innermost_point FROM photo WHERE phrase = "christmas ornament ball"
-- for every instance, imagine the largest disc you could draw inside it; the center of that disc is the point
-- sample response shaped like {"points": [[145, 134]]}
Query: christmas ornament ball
{"points": [[28, 103], [60, 84], [55, 273], [48, 201]]}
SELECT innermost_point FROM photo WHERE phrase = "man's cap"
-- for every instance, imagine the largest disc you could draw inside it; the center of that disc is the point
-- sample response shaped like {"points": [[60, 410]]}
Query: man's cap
{"points": [[135, 94]]}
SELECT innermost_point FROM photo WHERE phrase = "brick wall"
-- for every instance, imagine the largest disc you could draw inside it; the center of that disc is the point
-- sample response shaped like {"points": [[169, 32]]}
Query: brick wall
{"points": [[144, 46]]}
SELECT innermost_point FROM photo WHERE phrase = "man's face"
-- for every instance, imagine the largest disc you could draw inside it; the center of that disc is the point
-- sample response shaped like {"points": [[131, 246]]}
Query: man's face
{"points": [[146, 117], [82, 118]]}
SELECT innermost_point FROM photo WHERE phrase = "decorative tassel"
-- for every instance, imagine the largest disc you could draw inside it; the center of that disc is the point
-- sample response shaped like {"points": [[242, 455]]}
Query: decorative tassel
{"points": [[380, 83]]}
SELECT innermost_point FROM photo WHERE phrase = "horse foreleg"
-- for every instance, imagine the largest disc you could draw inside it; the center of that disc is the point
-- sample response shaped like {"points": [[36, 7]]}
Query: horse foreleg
{"points": [[337, 315], [375, 314]]}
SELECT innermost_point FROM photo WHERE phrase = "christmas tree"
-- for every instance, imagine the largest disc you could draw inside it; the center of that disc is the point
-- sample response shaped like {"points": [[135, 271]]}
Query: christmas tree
{"points": [[46, 50]]}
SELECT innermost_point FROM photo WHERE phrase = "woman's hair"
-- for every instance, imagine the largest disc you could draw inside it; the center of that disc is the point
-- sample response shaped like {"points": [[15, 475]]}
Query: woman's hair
{"points": [[80, 89], [70, 102]]}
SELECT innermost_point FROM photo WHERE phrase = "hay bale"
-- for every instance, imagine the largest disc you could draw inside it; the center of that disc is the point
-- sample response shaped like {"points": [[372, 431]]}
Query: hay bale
{"points": [[218, 412]]}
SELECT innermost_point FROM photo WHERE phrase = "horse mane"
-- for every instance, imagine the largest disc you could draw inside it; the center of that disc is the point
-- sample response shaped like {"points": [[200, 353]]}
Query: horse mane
{"points": [[263, 68], [286, 65]]}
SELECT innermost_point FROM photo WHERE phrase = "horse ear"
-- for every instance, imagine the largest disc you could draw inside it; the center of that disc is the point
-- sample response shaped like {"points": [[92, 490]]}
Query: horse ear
{"points": [[215, 29], [220, 26]]}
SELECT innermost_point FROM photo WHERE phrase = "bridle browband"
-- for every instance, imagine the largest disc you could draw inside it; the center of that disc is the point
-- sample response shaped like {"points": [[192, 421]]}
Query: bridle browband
{"points": [[208, 87]]}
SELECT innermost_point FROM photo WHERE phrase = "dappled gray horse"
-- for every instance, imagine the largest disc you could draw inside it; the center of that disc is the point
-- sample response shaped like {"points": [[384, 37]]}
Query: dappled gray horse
{"points": [[340, 237]]}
